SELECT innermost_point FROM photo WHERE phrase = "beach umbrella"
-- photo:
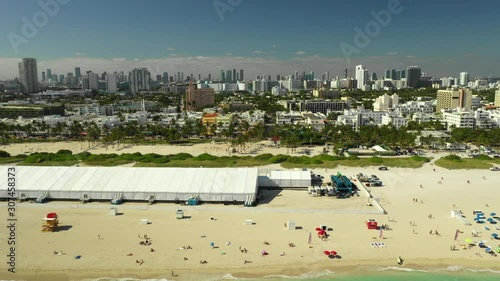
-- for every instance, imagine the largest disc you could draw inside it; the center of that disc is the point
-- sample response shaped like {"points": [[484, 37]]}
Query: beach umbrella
{"points": [[318, 229], [489, 219], [327, 253], [333, 253], [493, 214]]}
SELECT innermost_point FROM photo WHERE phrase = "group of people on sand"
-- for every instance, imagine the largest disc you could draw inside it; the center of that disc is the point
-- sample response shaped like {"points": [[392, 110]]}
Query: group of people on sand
{"points": [[434, 232], [243, 250], [184, 248]]}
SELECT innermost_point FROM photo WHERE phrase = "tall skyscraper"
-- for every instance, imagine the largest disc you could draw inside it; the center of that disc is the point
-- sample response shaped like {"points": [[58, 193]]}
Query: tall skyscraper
{"points": [[43, 76], [111, 85], [139, 80], [179, 79], [222, 76], [229, 76], [165, 77], [61, 78], [241, 75], [387, 74], [90, 81], [49, 73], [413, 74], [28, 75], [464, 78], [361, 76], [209, 77], [158, 78], [78, 73], [234, 76]]}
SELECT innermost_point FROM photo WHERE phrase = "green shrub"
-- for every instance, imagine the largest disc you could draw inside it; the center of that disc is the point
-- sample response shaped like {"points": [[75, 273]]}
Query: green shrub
{"points": [[180, 156], [4, 154], [205, 157], [353, 157], [483, 157], [376, 160], [325, 157], [82, 155], [316, 161], [263, 157], [280, 158], [452, 157], [65, 152]]}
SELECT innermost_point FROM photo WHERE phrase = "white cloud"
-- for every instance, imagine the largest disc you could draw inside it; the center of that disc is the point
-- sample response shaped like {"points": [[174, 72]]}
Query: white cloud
{"points": [[392, 53], [119, 59], [170, 49], [229, 54], [258, 52], [410, 56], [300, 53], [79, 54]]}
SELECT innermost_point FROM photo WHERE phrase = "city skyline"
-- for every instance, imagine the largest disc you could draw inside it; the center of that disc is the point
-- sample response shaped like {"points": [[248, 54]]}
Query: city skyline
{"points": [[273, 37]]}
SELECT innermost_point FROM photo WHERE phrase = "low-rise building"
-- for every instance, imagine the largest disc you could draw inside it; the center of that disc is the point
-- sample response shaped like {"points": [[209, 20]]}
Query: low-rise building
{"points": [[458, 118]]}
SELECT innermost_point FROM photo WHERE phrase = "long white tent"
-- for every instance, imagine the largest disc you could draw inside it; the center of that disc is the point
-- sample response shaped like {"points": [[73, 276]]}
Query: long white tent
{"points": [[137, 184]]}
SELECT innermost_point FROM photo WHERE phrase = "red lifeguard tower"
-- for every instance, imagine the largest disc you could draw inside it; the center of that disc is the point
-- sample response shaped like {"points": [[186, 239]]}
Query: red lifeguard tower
{"points": [[51, 222], [371, 224]]}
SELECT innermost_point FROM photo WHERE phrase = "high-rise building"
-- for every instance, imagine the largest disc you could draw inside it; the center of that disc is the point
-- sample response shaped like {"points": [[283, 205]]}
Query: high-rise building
{"points": [[413, 76], [103, 76], [139, 80], [49, 73], [209, 77], [61, 78], [387, 74], [197, 99], [374, 76], [78, 73], [229, 76], [394, 74], [90, 81], [402, 74], [165, 77], [111, 84], [43, 76], [464, 78], [497, 98], [158, 77], [234, 76], [28, 75], [361, 76], [222, 76], [451, 99], [242, 77]]}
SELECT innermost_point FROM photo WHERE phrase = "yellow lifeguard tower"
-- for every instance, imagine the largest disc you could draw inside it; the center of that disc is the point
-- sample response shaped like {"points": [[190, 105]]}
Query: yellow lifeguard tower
{"points": [[51, 223]]}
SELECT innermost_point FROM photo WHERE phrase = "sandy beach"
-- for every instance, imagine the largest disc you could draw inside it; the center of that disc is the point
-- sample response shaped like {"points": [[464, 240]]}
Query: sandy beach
{"points": [[217, 149], [109, 246]]}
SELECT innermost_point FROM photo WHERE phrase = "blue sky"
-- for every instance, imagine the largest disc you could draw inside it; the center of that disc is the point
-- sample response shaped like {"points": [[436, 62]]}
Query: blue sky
{"points": [[262, 36]]}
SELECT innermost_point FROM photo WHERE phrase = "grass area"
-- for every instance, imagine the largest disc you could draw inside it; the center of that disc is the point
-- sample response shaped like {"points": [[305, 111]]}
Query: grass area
{"points": [[15, 159], [455, 162], [353, 161], [67, 158], [67, 163]]}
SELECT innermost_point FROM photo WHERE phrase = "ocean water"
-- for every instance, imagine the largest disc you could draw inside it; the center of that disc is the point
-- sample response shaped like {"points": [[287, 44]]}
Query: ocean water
{"points": [[451, 273]]}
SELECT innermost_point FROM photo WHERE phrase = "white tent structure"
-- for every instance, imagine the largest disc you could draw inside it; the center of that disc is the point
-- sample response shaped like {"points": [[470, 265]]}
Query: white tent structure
{"points": [[286, 179], [134, 184]]}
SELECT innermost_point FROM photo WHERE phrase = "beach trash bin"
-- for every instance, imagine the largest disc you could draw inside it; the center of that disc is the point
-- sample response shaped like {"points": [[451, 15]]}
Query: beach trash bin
{"points": [[113, 211]]}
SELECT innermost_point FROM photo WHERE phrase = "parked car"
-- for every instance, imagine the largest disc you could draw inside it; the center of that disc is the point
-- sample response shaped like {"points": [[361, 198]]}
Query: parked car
{"points": [[383, 168], [494, 169]]}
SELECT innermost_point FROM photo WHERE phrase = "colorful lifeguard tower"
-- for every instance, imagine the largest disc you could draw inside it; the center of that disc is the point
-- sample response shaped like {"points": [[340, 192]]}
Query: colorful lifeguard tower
{"points": [[51, 222]]}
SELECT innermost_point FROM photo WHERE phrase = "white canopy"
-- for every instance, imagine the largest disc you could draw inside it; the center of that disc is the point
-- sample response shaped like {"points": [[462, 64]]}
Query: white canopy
{"points": [[165, 184]]}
